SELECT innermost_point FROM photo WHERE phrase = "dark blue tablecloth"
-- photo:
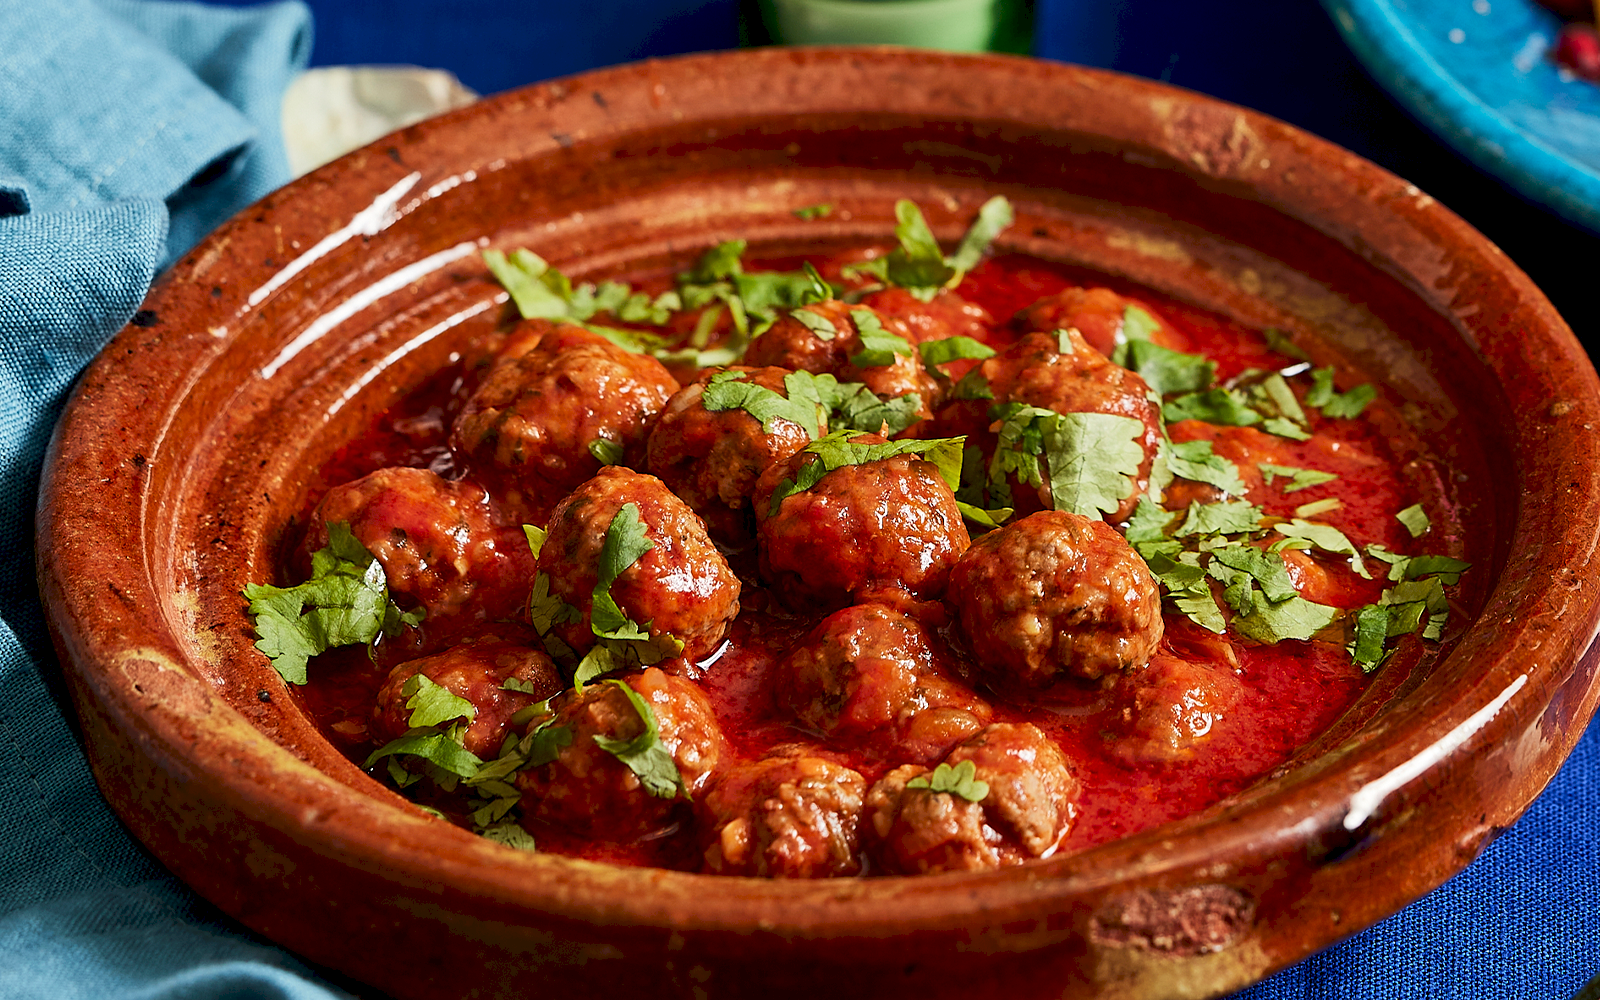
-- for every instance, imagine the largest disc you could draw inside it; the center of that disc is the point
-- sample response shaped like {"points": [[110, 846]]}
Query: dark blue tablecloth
{"points": [[1523, 922]]}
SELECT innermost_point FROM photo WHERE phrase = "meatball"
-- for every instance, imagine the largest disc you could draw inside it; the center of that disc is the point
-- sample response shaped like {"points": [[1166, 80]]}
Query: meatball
{"points": [[445, 545], [681, 587], [1026, 811], [790, 343], [476, 670], [892, 522], [594, 793], [788, 815], [711, 458], [868, 677], [536, 413], [1053, 596], [1161, 711], [1064, 374], [1099, 314], [948, 315]]}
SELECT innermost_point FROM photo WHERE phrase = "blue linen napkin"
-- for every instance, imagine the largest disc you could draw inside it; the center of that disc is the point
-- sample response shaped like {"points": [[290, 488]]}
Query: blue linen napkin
{"points": [[130, 130]]}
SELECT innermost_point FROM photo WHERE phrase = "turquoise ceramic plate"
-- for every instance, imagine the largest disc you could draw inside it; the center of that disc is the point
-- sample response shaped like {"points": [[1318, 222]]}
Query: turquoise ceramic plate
{"points": [[1478, 73]]}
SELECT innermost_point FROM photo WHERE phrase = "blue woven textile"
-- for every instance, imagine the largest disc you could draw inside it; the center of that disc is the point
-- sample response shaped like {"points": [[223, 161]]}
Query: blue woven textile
{"points": [[127, 130], [130, 130]]}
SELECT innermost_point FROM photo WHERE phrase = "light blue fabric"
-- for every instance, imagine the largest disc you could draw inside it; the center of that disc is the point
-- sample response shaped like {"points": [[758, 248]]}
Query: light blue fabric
{"points": [[129, 130]]}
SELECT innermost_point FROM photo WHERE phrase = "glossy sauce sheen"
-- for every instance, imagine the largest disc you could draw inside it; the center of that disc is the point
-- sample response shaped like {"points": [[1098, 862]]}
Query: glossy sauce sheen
{"points": [[1291, 691]]}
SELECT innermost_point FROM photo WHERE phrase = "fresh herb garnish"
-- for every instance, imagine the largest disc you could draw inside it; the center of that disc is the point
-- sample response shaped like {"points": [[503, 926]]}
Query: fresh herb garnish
{"points": [[836, 451], [433, 705], [1167, 371], [878, 346], [606, 451], [941, 352], [1089, 459], [1347, 405], [1415, 520], [346, 601], [960, 780], [810, 212], [918, 265], [1215, 406], [1195, 461], [1299, 479], [625, 543], [645, 755]]}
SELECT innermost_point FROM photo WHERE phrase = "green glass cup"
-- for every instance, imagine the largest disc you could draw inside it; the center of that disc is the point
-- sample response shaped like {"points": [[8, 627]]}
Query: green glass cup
{"points": [[952, 25]]}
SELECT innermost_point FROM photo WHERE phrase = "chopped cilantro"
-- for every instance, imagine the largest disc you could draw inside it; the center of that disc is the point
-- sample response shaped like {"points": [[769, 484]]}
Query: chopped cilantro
{"points": [[519, 685], [536, 537], [1327, 538], [939, 352], [346, 601], [606, 451], [598, 661], [546, 610], [836, 451], [1279, 340], [960, 780], [1149, 522], [1448, 570], [433, 705], [994, 217], [645, 755], [853, 405], [1195, 461], [972, 386], [509, 834], [985, 518], [437, 748], [878, 346], [625, 543], [1167, 371], [810, 212], [1089, 459], [1415, 519], [1216, 406], [1295, 618], [1138, 324], [1335, 404], [1316, 507], [1265, 568], [1299, 479], [1225, 518], [803, 406], [817, 323]]}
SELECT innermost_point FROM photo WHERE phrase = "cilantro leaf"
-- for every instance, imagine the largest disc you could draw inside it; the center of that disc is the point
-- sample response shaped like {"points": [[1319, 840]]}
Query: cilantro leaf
{"points": [[1195, 461], [345, 602], [1138, 325], [1149, 522], [546, 610], [433, 705], [856, 406], [948, 349], [1327, 538], [1167, 371], [994, 217], [817, 323], [1299, 479], [878, 346], [1266, 568], [1295, 618], [1092, 459], [1225, 518], [1448, 570], [645, 755], [606, 451], [625, 543], [985, 518], [536, 537], [803, 406], [1350, 404], [1216, 406], [509, 834], [1415, 520], [599, 660], [960, 780], [1371, 630], [1280, 341], [810, 212], [836, 451], [437, 748]]}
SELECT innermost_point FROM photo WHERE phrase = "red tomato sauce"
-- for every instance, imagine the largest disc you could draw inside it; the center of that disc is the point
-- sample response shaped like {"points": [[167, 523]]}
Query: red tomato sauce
{"points": [[1291, 691]]}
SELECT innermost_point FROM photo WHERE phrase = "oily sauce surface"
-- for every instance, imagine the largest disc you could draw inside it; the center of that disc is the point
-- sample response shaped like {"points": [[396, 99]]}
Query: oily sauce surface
{"points": [[1290, 691]]}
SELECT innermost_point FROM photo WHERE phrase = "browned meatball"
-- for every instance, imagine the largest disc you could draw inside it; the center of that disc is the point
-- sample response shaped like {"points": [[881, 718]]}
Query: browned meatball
{"points": [[1098, 314], [445, 545], [1054, 596], [1037, 371], [869, 677], [1026, 811], [475, 670], [788, 815], [591, 792], [711, 458], [1163, 710], [888, 523], [681, 587], [790, 343], [948, 315], [535, 414]]}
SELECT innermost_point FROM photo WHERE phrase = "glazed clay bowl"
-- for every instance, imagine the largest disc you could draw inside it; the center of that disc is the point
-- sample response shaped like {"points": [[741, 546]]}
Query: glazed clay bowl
{"points": [[191, 443]]}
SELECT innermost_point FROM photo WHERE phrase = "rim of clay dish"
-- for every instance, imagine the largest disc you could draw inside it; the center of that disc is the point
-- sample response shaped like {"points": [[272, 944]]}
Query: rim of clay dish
{"points": [[1497, 715]]}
